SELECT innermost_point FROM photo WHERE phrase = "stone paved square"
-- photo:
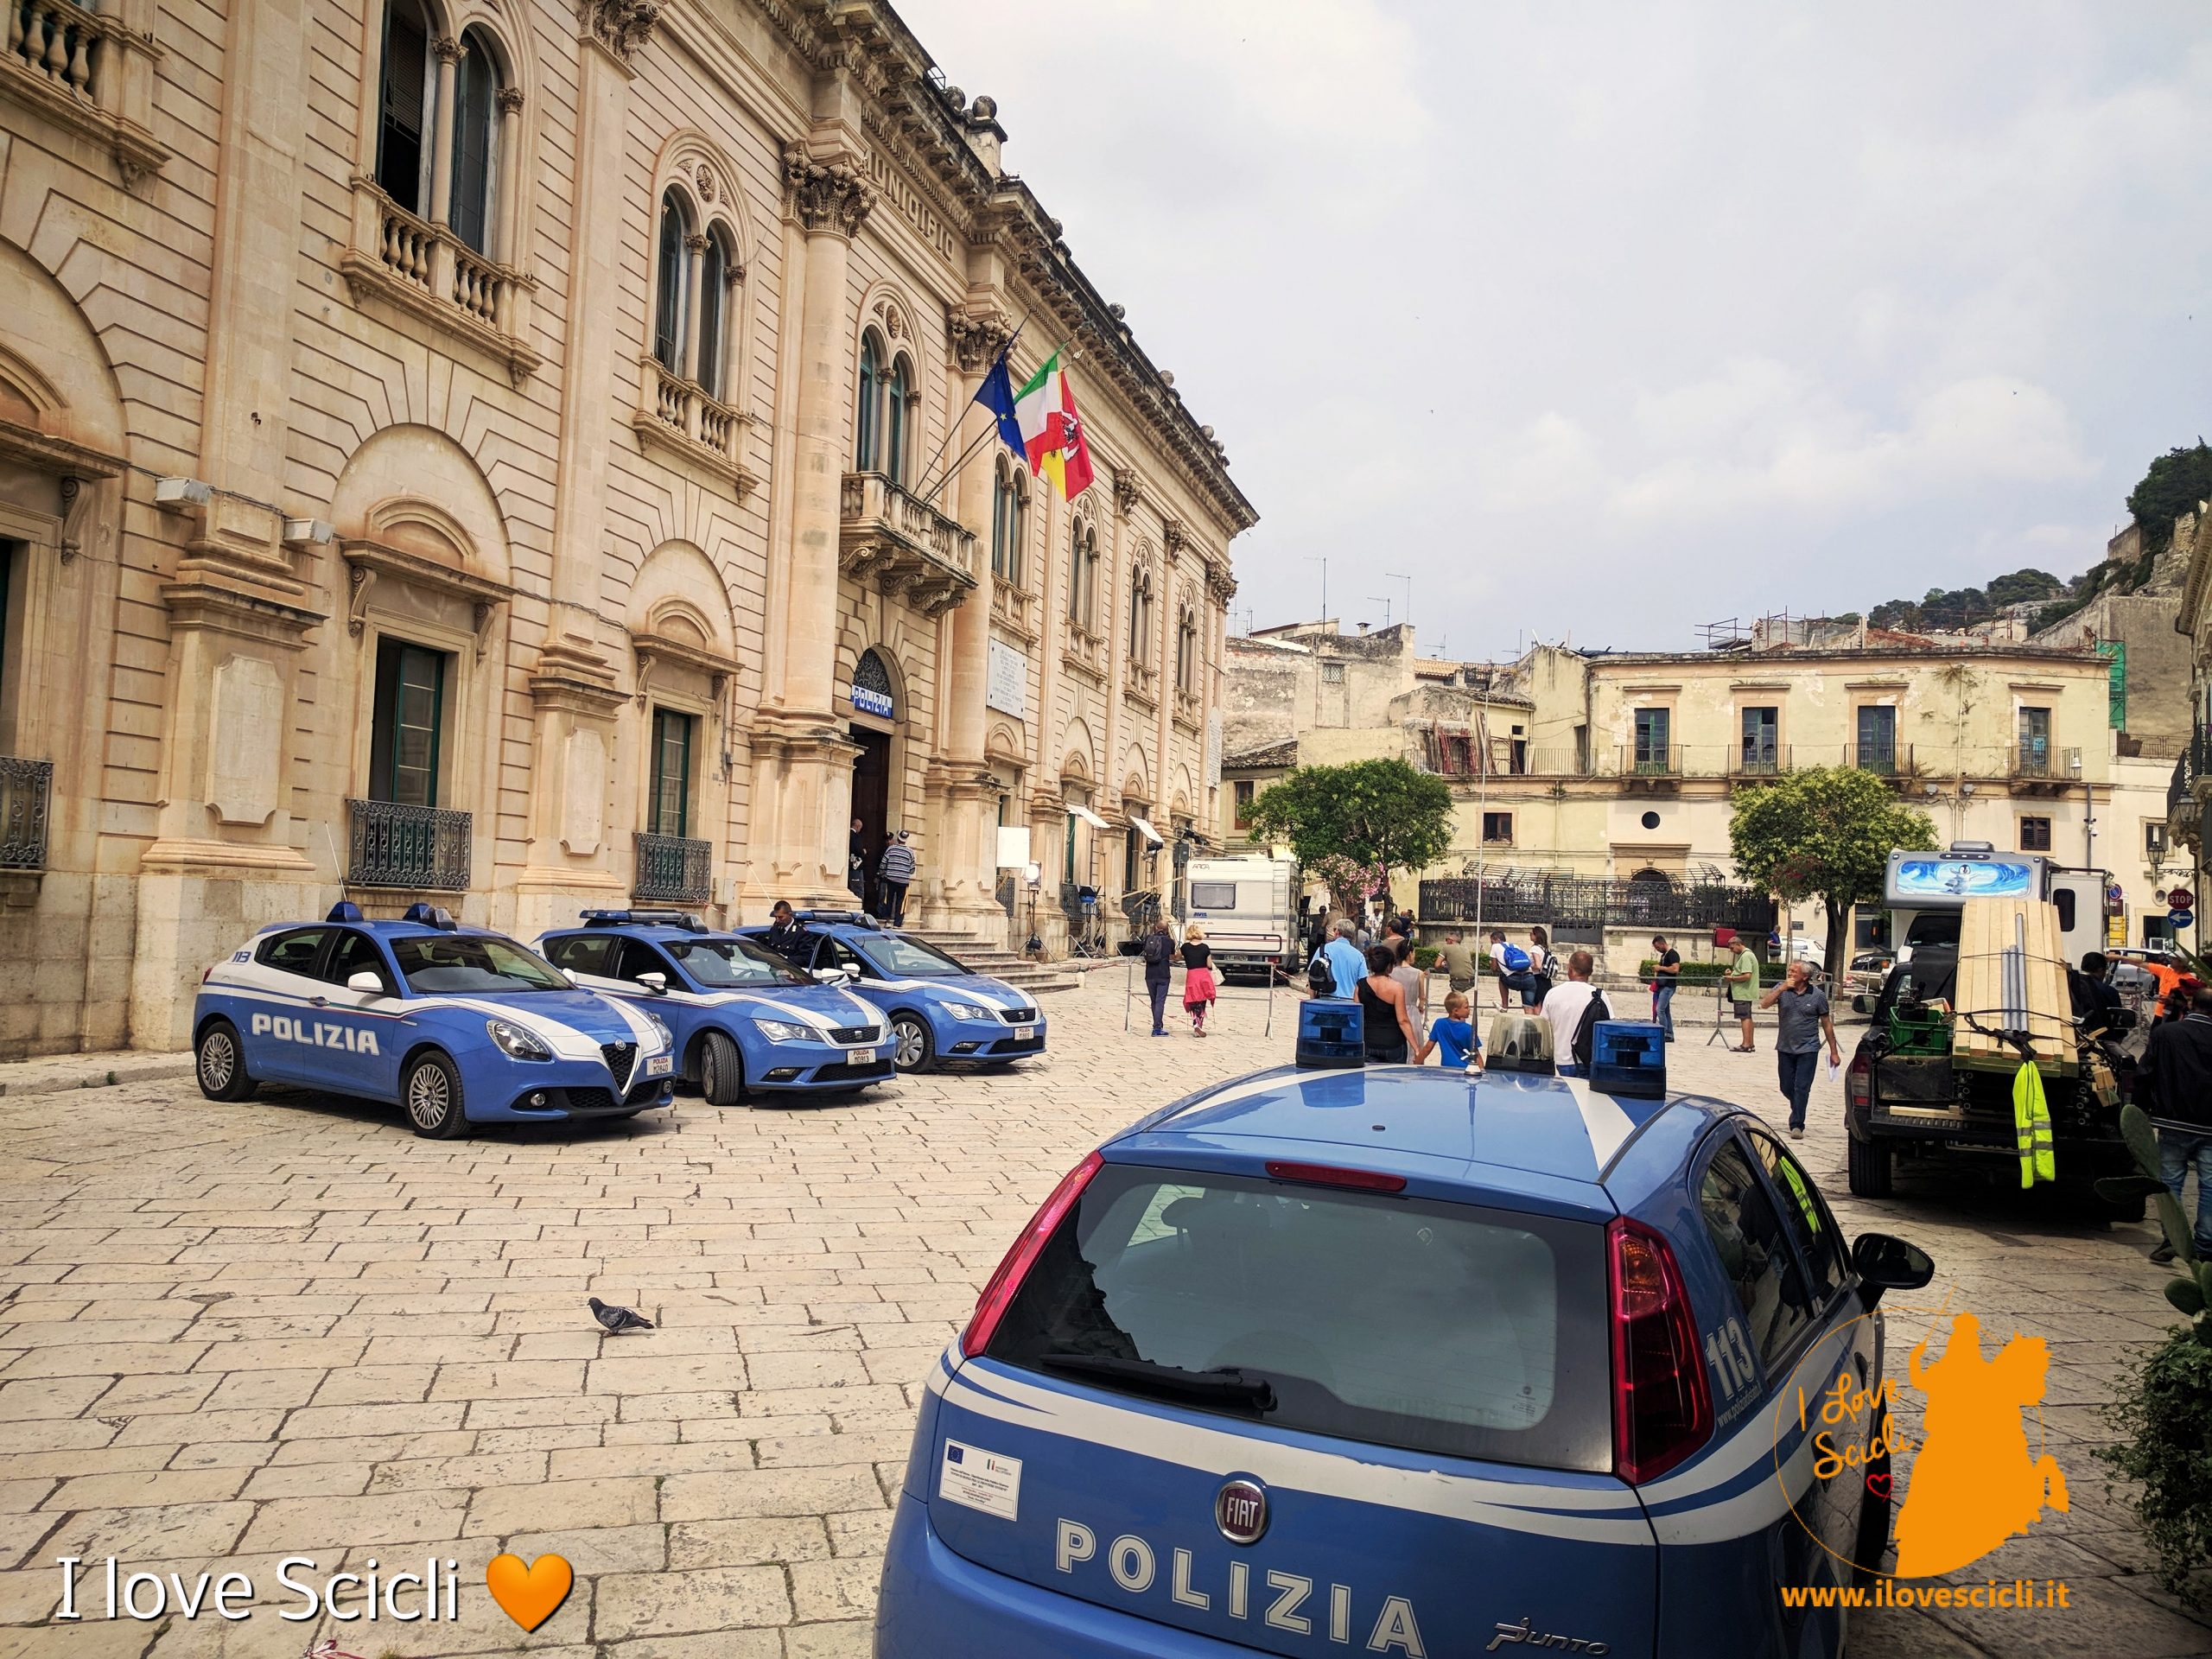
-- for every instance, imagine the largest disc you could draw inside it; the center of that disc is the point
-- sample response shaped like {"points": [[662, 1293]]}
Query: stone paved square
{"points": [[233, 1333]]}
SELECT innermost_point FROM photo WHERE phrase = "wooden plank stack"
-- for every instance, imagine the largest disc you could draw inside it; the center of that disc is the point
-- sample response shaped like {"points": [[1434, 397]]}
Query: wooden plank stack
{"points": [[2029, 996]]}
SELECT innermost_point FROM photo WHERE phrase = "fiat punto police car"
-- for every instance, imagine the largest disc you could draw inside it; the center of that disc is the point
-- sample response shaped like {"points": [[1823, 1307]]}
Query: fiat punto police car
{"points": [[458, 1024], [745, 1020], [937, 1009], [1397, 1361]]}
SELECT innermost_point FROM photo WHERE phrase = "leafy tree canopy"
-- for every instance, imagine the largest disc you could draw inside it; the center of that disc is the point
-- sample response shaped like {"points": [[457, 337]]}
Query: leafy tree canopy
{"points": [[2175, 482], [1376, 815], [1826, 834]]}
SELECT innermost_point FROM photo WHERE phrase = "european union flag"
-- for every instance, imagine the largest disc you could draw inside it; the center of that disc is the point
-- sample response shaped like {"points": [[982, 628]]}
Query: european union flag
{"points": [[996, 394]]}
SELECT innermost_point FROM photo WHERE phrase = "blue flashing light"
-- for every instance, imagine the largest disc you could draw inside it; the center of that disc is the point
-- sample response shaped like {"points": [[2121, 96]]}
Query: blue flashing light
{"points": [[428, 915], [344, 910]]}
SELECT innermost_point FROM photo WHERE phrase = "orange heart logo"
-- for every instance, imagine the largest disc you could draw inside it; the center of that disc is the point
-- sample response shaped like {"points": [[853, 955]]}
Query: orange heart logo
{"points": [[529, 1593]]}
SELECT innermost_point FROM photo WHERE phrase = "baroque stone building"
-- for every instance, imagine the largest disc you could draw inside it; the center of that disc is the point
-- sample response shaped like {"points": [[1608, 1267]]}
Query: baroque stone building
{"points": [[489, 450]]}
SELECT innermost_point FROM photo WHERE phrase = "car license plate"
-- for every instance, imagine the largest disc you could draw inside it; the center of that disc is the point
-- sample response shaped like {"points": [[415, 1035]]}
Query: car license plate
{"points": [[861, 1057], [658, 1065], [1023, 1033]]}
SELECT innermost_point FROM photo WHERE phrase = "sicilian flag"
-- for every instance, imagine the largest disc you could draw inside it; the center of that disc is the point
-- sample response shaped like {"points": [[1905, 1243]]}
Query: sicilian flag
{"points": [[1041, 422]]}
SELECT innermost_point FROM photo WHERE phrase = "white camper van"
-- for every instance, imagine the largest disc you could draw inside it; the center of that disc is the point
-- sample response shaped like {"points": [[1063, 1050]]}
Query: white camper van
{"points": [[1249, 907]]}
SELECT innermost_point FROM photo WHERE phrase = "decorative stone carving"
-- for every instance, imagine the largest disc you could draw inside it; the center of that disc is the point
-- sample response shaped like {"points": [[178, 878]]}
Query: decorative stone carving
{"points": [[510, 100], [1175, 534], [446, 49], [976, 342], [245, 725], [619, 26], [825, 195], [1128, 491], [705, 178]]}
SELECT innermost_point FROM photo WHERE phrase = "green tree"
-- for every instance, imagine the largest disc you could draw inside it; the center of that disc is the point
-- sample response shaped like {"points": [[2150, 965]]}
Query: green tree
{"points": [[2175, 482], [1824, 834], [1371, 815]]}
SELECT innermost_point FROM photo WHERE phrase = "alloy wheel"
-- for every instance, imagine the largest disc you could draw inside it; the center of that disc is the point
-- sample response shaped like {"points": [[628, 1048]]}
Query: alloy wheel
{"points": [[219, 1060], [428, 1098], [911, 1043]]}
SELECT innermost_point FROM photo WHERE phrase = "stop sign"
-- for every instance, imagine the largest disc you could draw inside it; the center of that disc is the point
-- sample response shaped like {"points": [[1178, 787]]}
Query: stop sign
{"points": [[2178, 898]]}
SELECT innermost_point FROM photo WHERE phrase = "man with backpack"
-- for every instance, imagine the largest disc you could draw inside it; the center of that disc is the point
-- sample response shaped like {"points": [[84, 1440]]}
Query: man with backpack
{"points": [[1572, 1011], [1520, 969], [1340, 961]]}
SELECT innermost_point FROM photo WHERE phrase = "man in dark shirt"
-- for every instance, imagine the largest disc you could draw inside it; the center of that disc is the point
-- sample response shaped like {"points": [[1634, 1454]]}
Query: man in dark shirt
{"points": [[1666, 979], [782, 936], [2174, 1085]]}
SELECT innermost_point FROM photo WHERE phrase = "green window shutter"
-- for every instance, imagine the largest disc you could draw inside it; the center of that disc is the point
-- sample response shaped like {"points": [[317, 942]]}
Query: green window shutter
{"points": [[671, 773]]}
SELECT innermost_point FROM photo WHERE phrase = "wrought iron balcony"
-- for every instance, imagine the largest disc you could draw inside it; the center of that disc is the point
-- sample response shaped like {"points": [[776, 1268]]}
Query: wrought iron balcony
{"points": [[675, 868], [26, 786], [1650, 760], [1759, 761], [417, 847], [906, 547], [1891, 759], [2034, 759]]}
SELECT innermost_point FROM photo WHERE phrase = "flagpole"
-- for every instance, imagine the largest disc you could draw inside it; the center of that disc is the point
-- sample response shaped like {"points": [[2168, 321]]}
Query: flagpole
{"points": [[955, 426], [931, 492]]}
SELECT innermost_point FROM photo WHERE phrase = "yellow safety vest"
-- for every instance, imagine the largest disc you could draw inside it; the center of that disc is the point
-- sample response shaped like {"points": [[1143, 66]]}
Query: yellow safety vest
{"points": [[2031, 1128]]}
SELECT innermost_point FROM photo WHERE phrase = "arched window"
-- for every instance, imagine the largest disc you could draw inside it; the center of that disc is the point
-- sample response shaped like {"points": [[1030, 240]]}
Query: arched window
{"points": [[1009, 521], [1082, 576], [866, 435], [1140, 615], [1187, 655], [714, 267], [669, 300], [407, 86], [897, 427], [476, 141]]}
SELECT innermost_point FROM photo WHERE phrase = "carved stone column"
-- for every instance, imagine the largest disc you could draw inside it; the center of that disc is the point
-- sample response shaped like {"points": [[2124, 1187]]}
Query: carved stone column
{"points": [[803, 779], [507, 208], [963, 790], [576, 855], [448, 52]]}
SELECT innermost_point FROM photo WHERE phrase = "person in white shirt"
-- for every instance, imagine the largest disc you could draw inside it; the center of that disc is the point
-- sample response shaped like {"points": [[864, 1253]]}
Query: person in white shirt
{"points": [[1563, 1008]]}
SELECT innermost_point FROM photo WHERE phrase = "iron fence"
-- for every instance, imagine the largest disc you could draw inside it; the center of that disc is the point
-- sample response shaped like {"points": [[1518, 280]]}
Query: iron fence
{"points": [[423, 847], [26, 787], [1583, 902], [674, 868]]}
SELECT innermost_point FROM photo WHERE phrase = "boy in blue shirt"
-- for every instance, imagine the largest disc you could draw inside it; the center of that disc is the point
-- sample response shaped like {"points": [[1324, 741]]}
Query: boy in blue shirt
{"points": [[1455, 1034]]}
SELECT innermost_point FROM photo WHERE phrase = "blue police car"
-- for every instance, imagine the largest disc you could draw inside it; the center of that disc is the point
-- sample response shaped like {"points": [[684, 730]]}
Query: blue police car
{"points": [[937, 1009], [745, 1020], [458, 1024], [1404, 1362]]}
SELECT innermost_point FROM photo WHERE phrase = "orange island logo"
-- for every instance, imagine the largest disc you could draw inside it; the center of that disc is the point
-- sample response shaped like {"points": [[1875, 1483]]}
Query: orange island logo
{"points": [[1974, 1481]]}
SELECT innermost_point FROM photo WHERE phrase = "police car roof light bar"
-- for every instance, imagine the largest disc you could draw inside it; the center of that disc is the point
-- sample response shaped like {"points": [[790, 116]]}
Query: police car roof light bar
{"points": [[999, 1290], [684, 919], [1663, 1411], [429, 915], [344, 910], [855, 918]]}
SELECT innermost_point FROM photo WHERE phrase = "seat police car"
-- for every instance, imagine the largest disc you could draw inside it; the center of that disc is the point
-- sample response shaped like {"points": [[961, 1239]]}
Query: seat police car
{"points": [[745, 1020], [937, 1008], [458, 1024], [1396, 1361]]}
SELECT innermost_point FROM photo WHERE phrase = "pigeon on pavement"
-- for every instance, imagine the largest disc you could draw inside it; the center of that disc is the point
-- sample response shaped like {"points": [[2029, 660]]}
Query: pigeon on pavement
{"points": [[615, 1320]]}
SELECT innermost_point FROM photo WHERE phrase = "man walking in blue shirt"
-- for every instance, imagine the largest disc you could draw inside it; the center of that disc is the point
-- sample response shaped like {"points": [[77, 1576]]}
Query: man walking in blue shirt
{"points": [[1347, 963]]}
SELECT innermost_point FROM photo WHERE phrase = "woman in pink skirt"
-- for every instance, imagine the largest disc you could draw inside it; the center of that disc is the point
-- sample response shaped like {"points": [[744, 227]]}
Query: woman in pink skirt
{"points": [[1197, 977]]}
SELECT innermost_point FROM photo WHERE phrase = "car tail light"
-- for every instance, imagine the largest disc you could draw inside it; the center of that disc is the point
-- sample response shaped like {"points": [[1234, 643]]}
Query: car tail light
{"points": [[1858, 1082], [1000, 1290], [1365, 1181], [1663, 1411]]}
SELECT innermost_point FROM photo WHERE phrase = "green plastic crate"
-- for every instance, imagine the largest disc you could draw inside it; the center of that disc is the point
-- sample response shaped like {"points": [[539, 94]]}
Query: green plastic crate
{"points": [[1919, 1031]]}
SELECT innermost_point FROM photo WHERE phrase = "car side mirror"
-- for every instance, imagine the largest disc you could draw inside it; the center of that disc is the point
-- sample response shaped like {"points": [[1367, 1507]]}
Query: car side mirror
{"points": [[1884, 1262], [830, 975], [655, 982], [852, 970], [367, 983]]}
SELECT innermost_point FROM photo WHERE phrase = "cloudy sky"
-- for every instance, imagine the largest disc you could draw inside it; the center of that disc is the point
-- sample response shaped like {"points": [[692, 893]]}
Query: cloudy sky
{"points": [[1601, 322]]}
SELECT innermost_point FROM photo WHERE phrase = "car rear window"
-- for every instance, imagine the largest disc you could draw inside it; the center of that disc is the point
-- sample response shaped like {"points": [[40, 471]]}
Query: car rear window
{"points": [[1439, 1327]]}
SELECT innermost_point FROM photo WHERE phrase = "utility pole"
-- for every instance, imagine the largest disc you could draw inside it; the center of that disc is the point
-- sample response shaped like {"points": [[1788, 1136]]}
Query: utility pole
{"points": [[1322, 559]]}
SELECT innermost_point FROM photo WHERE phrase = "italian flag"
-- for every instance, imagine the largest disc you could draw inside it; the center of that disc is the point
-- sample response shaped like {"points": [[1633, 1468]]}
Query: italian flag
{"points": [[1052, 432]]}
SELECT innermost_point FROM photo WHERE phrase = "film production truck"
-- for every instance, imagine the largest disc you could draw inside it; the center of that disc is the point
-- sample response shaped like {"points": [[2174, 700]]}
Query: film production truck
{"points": [[1981, 989], [1249, 907]]}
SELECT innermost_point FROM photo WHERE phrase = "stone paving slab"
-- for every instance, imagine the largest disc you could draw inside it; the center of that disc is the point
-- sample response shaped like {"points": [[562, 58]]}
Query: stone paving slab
{"points": [[230, 1333]]}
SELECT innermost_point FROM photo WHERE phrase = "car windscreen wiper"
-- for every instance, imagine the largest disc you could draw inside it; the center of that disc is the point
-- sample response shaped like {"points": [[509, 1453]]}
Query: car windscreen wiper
{"points": [[1226, 1383]]}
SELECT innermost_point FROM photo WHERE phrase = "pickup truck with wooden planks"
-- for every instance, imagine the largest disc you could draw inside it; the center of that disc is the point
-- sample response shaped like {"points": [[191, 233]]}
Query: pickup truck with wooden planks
{"points": [[1981, 989]]}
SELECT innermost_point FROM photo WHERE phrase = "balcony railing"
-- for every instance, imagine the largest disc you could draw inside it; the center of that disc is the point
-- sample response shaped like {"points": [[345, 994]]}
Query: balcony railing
{"points": [[1890, 759], [908, 548], [1759, 760], [424, 848], [75, 63], [678, 415], [1650, 760], [26, 786], [428, 271], [674, 867], [2034, 759], [1656, 903]]}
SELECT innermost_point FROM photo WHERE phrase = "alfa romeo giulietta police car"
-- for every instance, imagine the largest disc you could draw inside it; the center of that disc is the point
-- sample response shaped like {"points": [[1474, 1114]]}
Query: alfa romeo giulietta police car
{"points": [[745, 1020], [938, 1009], [1395, 1361], [458, 1024]]}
